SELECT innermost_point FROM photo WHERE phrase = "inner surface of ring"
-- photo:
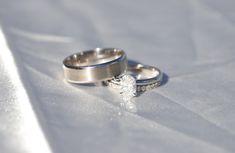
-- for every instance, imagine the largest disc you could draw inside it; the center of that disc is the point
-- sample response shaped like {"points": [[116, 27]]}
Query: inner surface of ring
{"points": [[142, 72], [93, 57]]}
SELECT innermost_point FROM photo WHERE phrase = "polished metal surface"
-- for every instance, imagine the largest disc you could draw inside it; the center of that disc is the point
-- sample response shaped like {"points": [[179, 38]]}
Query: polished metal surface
{"points": [[144, 74], [96, 65]]}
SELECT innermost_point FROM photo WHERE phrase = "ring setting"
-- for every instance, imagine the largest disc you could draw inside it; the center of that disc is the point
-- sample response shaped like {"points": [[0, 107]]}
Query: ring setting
{"points": [[138, 78]]}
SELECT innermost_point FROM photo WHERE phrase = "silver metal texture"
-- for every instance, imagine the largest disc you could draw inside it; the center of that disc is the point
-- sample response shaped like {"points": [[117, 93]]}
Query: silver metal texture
{"points": [[94, 66]]}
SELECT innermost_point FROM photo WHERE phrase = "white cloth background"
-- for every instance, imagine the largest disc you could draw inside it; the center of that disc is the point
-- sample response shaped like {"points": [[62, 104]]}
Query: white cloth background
{"points": [[192, 41]]}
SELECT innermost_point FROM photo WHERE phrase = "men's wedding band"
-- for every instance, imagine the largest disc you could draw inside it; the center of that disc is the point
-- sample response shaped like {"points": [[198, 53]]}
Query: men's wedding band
{"points": [[96, 65]]}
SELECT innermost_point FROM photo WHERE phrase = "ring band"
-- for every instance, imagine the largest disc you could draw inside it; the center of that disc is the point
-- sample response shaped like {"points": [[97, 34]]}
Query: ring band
{"points": [[147, 77], [96, 65]]}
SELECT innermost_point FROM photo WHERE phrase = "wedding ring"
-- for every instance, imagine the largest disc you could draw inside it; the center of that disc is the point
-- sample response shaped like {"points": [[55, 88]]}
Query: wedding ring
{"points": [[147, 77], [138, 78], [96, 65]]}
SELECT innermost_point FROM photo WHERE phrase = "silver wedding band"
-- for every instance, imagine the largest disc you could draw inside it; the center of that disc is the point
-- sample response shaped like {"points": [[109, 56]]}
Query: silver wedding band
{"points": [[96, 65], [147, 77]]}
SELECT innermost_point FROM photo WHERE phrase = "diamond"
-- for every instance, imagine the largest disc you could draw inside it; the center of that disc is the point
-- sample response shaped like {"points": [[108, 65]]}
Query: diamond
{"points": [[128, 87]]}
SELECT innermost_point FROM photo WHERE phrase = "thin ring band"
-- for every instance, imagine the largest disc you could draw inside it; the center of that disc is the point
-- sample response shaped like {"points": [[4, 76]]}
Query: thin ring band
{"points": [[96, 65], [152, 77]]}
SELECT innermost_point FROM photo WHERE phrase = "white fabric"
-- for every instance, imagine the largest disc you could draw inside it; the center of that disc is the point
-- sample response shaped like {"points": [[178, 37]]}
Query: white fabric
{"points": [[191, 41]]}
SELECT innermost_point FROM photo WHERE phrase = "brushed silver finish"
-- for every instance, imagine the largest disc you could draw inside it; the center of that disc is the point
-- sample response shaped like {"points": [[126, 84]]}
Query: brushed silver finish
{"points": [[94, 66]]}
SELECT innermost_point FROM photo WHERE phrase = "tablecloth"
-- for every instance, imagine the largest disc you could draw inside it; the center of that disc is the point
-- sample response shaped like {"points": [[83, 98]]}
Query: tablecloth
{"points": [[191, 41]]}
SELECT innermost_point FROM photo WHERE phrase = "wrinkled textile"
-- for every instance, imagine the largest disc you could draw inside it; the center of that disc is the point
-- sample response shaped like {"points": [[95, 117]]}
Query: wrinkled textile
{"points": [[192, 42]]}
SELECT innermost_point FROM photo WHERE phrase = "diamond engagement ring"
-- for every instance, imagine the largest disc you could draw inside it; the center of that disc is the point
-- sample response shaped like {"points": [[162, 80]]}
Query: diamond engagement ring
{"points": [[138, 78], [96, 65]]}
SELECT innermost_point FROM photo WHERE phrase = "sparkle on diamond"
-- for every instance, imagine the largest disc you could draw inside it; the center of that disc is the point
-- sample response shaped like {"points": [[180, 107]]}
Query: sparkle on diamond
{"points": [[128, 87]]}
